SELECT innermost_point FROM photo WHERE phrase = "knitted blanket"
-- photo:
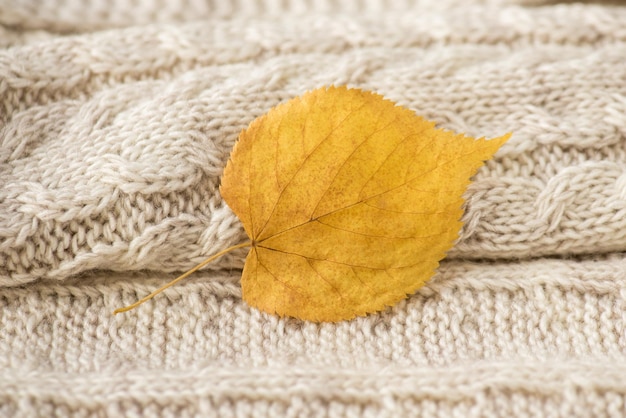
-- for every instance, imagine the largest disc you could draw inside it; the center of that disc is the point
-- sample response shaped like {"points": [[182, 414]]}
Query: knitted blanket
{"points": [[116, 121]]}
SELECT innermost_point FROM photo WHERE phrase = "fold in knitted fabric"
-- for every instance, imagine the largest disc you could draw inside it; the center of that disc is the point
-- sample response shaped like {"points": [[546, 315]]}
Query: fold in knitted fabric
{"points": [[117, 120]]}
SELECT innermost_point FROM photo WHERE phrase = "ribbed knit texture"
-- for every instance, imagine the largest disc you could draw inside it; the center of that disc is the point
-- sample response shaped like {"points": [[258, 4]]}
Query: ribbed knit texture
{"points": [[117, 118]]}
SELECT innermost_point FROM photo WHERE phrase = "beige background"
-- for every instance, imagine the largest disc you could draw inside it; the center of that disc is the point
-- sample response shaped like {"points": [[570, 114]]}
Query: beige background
{"points": [[116, 120]]}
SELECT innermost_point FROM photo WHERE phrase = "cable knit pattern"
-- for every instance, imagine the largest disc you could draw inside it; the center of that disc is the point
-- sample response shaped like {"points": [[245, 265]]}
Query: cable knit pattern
{"points": [[117, 118]]}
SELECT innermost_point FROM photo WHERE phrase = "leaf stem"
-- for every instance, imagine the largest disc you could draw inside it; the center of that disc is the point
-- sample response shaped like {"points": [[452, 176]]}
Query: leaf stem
{"points": [[182, 276]]}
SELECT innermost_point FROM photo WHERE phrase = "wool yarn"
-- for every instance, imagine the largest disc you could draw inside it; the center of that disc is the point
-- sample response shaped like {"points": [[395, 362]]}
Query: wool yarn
{"points": [[117, 118]]}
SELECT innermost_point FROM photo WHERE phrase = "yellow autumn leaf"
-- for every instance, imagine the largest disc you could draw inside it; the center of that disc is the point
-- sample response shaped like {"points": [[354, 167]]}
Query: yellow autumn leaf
{"points": [[349, 201]]}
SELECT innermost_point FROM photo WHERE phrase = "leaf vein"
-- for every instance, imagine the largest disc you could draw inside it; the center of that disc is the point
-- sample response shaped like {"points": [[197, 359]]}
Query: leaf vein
{"points": [[368, 235], [441, 212], [346, 264], [277, 279], [406, 138], [332, 286], [348, 158], [280, 194]]}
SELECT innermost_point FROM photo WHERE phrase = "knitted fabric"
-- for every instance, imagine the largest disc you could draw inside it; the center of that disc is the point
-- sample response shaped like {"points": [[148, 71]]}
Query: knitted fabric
{"points": [[117, 118]]}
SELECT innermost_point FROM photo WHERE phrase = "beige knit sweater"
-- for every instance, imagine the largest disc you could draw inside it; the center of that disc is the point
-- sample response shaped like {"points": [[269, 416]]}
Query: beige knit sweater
{"points": [[117, 118]]}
